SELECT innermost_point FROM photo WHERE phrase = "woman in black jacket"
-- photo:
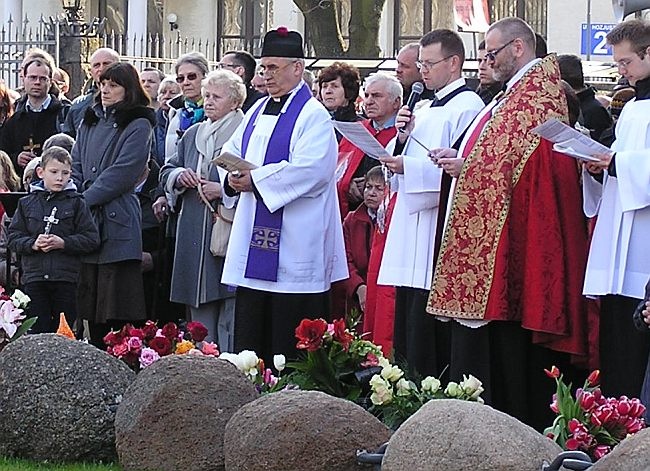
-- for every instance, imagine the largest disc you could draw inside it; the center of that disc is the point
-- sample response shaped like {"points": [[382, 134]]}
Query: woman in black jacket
{"points": [[110, 154]]}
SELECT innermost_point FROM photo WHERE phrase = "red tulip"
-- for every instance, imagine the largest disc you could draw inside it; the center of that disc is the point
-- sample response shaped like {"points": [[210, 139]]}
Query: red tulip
{"points": [[594, 378], [554, 373]]}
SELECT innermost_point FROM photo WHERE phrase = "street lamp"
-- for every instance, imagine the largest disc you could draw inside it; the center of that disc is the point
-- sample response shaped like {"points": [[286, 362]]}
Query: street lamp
{"points": [[73, 10]]}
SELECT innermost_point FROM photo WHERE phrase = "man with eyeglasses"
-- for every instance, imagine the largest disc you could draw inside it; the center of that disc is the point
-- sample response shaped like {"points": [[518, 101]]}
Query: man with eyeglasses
{"points": [[99, 61], [616, 189], [509, 273], [286, 245], [408, 258], [243, 64], [39, 115]]}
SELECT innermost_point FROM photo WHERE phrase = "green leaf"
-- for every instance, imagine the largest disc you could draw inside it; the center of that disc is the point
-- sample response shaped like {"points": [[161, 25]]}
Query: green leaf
{"points": [[24, 327]]}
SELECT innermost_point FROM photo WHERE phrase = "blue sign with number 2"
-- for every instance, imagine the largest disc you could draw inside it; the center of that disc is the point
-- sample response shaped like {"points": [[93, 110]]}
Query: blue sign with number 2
{"points": [[598, 44]]}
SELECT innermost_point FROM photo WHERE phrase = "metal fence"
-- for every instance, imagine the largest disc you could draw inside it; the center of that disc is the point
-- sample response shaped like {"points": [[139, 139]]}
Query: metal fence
{"points": [[17, 37]]}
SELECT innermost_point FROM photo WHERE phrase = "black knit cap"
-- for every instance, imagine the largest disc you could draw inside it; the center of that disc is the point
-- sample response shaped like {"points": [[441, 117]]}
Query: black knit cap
{"points": [[282, 43]]}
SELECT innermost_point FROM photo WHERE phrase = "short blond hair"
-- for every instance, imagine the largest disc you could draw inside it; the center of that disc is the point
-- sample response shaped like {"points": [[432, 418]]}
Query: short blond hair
{"points": [[231, 81]]}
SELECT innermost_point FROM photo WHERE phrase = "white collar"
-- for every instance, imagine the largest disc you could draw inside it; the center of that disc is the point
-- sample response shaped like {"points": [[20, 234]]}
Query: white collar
{"points": [[43, 106], [450, 87]]}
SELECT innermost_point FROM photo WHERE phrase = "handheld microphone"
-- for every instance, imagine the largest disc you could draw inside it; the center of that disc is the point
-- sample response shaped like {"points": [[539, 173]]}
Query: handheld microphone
{"points": [[416, 90]]}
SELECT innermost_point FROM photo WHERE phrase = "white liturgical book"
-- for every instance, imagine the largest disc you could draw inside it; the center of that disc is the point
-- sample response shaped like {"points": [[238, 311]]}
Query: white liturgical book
{"points": [[570, 141]]}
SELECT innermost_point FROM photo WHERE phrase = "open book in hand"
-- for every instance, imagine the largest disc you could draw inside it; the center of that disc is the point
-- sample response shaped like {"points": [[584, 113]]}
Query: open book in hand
{"points": [[570, 141], [232, 163]]}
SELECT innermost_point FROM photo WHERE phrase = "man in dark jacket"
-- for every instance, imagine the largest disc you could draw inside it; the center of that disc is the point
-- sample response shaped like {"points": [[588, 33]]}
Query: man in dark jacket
{"points": [[593, 115], [39, 116], [51, 228], [243, 64], [99, 61]]}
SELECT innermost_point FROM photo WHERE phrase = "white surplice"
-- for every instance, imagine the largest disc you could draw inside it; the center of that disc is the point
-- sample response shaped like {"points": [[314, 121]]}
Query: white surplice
{"points": [[408, 256], [312, 252], [619, 257]]}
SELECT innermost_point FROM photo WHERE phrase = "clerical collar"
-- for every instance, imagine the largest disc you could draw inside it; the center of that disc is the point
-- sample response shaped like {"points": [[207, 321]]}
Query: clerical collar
{"points": [[642, 89], [389, 123], [43, 106], [274, 106], [447, 89]]}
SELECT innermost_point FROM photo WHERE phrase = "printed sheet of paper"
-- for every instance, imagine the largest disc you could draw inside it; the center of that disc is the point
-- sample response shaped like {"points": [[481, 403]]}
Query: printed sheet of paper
{"points": [[231, 163], [570, 141], [359, 135]]}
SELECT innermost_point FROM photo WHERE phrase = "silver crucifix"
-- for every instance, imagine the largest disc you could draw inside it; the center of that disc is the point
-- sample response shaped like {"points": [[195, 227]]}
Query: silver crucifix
{"points": [[50, 220]]}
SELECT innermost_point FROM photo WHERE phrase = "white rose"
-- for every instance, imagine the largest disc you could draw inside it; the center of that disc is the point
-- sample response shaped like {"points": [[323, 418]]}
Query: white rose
{"points": [[391, 373], [249, 360], [381, 396], [453, 390], [279, 361], [232, 358], [383, 361], [471, 386], [430, 384], [403, 387], [20, 299], [377, 382]]}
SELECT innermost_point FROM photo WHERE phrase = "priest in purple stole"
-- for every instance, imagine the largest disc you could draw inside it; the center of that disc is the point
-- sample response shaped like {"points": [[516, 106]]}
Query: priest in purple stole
{"points": [[286, 245]]}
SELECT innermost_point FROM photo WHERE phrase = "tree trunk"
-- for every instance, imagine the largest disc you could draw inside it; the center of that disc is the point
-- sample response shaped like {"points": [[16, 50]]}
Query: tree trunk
{"points": [[443, 15], [365, 16], [323, 25]]}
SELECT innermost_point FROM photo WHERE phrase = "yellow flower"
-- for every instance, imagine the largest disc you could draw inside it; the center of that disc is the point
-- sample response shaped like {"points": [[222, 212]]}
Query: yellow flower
{"points": [[184, 347]]}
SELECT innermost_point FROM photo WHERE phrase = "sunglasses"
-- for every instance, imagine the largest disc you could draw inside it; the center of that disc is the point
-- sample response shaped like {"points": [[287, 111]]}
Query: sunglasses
{"points": [[492, 55], [191, 76]]}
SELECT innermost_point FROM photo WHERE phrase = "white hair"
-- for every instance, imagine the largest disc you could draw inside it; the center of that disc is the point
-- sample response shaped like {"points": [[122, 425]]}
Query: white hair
{"points": [[393, 86]]}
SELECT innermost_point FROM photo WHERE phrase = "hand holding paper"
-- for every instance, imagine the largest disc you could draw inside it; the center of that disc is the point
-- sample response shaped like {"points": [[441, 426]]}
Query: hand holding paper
{"points": [[571, 142]]}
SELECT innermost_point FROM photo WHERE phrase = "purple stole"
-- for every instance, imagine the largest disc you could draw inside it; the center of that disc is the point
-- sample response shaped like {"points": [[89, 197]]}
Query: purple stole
{"points": [[264, 250]]}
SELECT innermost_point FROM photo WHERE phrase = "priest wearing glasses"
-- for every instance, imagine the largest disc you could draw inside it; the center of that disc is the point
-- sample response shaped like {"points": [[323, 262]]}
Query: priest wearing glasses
{"points": [[286, 245]]}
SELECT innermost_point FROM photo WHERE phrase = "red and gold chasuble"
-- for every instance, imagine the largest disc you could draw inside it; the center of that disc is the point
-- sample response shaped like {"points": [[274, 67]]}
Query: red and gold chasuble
{"points": [[514, 248]]}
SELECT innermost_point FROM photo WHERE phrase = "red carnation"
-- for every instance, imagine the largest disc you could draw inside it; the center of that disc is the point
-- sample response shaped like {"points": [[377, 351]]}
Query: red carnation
{"points": [[341, 334], [197, 330], [149, 330], [133, 332], [310, 334], [162, 345], [170, 330], [113, 338]]}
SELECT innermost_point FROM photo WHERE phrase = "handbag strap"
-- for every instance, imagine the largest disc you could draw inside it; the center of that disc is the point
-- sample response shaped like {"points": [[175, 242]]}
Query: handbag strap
{"points": [[199, 188]]}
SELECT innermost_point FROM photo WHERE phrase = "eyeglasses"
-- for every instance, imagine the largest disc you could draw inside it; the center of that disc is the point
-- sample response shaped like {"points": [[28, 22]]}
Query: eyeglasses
{"points": [[271, 70], [492, 55], [625, 63], [221, 65], [428, 65], [191, 76], [37, 78]]}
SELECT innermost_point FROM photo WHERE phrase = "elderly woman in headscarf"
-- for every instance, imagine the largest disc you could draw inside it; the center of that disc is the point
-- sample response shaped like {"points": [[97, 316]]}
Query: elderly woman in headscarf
{"points": [[191, 176]]}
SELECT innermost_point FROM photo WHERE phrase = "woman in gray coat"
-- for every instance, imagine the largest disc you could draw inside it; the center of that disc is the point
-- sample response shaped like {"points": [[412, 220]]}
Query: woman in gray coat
{"points": [[110, 154], [191, 176]]}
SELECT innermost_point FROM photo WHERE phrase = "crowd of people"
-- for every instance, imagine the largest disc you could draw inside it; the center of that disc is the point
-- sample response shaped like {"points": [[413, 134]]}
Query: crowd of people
{"points": [[473, 246]]}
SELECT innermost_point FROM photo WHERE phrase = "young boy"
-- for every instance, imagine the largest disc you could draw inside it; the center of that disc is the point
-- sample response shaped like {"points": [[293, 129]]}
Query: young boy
{"points": [[51, 228]]}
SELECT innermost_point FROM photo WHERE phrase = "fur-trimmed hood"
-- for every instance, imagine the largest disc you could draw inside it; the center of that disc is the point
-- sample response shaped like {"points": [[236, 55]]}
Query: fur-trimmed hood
{"points": [[122, 116]]}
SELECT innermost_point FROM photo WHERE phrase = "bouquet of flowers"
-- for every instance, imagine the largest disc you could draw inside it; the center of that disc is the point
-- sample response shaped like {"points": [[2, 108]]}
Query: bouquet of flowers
{"points": [[332, 359], [139, 348], [253, 367], [395, 398], [589, 421], [12, 320]]}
